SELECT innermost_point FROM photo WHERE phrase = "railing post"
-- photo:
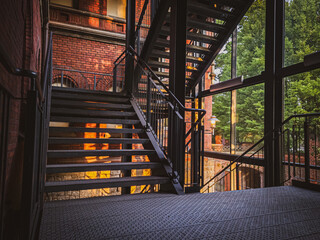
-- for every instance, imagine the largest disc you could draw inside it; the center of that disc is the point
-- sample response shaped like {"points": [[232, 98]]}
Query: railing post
{"points": [[94, 82], [294, 149], [306, 151], [289, 155], [114, 88], [148, 100], [237, 177], [61, 78]]}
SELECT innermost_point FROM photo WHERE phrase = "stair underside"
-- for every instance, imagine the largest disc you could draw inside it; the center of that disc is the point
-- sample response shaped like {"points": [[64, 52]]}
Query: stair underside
{"points": [[209, 25]]}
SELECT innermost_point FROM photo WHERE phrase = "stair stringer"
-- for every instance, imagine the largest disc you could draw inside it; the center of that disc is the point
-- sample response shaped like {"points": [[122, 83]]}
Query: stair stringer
{"points": [[175, 185]]}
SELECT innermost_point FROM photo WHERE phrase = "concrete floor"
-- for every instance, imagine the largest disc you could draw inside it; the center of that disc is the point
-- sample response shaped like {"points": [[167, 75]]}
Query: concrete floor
{"points": [[269, 213]]}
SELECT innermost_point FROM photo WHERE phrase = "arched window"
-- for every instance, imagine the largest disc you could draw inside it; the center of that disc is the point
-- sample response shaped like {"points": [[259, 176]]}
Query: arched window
{"points": [[66, 82]]}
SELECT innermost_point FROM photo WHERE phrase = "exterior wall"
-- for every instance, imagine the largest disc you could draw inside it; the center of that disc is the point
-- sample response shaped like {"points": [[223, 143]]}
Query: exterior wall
{"points": [[84, 55], [21, 39]]}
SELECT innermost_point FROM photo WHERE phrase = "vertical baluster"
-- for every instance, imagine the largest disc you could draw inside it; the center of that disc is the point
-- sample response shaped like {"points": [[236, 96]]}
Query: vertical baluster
{"points": [[294, 149], [306, 151], [61, 78], [94, 82], [316, 151], [114, 85], [289, 156]]}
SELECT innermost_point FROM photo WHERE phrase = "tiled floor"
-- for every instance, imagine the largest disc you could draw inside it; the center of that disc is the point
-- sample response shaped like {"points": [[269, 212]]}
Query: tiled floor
{"points": [[269, 213]]}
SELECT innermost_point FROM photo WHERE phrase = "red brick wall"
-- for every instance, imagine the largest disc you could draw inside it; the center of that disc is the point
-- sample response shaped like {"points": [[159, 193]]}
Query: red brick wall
{"points": [[100, 7], [21, 38], [85, 55]]}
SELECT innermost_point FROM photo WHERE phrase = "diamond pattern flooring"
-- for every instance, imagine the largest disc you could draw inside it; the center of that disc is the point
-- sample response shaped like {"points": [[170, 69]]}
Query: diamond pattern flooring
{"points": [[269, 213]]}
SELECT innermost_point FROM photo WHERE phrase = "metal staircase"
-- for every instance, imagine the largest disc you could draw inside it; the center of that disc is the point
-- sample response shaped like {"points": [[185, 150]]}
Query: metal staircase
{"points": [[115, 117], [209, 24]]}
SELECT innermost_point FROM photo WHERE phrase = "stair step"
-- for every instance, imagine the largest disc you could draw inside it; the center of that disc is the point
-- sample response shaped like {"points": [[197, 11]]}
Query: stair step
{"points": [[88, 92], [199, 37], [163, 54], [204, 25], [229, 3], [104, 183], [166, 75], [68, 168], [89, 113], [103, 130], [82, 97], [57, 140], [190, 48], [156, 64], [93, 120], [110, 152], [208, 10], [79, 104]]}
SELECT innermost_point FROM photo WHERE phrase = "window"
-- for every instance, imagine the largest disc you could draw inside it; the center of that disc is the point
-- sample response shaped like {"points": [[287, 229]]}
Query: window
{"points": [[116, 8], [68, 3]]}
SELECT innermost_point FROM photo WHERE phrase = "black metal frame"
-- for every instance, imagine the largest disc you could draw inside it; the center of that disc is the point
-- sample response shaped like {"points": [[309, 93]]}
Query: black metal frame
{"points": [[35, 154], [272, 77]]}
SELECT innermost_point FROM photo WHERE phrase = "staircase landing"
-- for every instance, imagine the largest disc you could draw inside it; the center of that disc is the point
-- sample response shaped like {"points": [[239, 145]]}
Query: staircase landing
{"points": [[269, 213]]}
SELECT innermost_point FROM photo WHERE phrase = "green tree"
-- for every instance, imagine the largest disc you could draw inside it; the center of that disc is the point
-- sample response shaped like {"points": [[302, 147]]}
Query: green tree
{"points": [[302, 94]]}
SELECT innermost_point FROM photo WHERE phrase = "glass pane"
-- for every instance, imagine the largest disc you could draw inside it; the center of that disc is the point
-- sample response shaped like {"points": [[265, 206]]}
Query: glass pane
{"points": [[221, 122], [302, 93], [251, 41], [250, 117], [250, 46], [302, 29], [116, 8]]}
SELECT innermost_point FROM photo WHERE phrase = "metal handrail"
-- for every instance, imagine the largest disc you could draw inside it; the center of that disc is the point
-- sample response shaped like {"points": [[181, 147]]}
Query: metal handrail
{"points": [[164, 86], [78, 71], [47, 64], [5, 60], [143, 11], [201, 112], [260, 141]]}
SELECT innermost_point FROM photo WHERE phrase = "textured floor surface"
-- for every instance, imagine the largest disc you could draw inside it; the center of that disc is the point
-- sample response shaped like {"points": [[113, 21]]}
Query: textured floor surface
{"points": [[269, 213]]}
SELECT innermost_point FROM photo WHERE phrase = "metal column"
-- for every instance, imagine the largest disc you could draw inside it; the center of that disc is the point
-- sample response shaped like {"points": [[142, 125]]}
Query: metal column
{"points": [[273, 89], [177, 74], [130, 42], [233, 111]]}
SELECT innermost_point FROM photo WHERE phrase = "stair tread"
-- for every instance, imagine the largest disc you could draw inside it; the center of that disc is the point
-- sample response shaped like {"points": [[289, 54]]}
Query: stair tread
{"points": [[79, 104], [82, 97], [83, 129], [109, 152], [88, 92], [80, 167], [208, 10], [199, 37], [77, 119], [159, 53], [190, 48], [90, 113], [103, 183], [61, 140]]}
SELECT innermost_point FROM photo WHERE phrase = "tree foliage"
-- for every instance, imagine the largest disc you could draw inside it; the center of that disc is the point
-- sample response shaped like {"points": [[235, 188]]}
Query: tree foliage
{"points": [[302, 92]]}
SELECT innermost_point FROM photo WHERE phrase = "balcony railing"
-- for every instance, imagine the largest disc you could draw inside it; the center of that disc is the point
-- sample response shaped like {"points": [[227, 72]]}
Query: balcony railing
{"points": [[71, 78]]}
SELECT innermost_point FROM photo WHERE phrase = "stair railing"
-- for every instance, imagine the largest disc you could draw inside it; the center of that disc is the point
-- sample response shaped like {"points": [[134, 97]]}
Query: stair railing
{"points": [[146, 19], [161, 110], [299, 151]]}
